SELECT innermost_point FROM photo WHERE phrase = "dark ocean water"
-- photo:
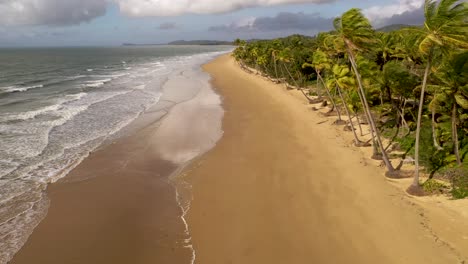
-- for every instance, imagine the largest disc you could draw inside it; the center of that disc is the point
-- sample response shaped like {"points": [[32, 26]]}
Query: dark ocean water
{"points": [[57, 105]]}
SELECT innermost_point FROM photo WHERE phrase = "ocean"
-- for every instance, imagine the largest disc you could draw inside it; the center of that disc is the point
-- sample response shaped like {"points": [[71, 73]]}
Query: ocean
{"points": [[59, 104]]}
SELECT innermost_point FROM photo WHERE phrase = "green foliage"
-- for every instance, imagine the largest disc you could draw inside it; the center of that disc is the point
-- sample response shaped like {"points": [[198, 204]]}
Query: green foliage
{"points": [[435, 187], [445, 25], [459, 179], [431, 158], [355, 29], [390, 66], [396, 77]]}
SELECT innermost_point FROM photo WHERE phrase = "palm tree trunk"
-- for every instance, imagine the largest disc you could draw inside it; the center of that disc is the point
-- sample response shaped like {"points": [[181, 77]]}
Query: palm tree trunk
{"points": [[283, 76], [359, 124], [297, 86], [386, 160], [319, 93], [356, 139], [328, 93], [434, 134], [276, 68], [415, 183], [455, 133], [290, 76], [403, 121], [375, 151]]}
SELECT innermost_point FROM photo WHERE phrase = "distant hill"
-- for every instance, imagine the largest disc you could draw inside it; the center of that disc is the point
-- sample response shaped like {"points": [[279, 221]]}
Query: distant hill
{"points": [[393, 27], [200, 42]]}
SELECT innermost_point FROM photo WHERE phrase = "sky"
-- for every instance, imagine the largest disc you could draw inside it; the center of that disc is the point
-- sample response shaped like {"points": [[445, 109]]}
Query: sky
{"points": [[113, 22]]}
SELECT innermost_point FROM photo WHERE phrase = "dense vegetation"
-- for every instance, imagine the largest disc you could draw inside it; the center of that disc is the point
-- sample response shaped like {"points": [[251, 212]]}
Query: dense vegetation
{"points": [[410, 85]]}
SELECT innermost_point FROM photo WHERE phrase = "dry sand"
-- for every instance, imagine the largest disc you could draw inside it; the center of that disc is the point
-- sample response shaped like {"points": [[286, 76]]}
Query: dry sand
{"points": [[280, 188]]}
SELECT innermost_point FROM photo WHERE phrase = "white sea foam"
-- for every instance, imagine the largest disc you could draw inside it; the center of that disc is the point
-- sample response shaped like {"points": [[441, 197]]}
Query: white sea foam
{"points": [[43, 110], [54, 139], [185, 208], [29, 114], [75, 97], [12, 89], [76, 77], [112, 76], [96, 83]]}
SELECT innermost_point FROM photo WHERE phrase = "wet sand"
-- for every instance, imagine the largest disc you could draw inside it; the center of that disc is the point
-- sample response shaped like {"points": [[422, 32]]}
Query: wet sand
{"points": [[283, 185], [119, 205]]}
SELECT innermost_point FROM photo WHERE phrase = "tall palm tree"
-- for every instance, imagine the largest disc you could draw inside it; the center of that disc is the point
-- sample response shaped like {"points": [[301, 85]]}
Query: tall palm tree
{"points": [[357, 34], [405, 48], [276, 47], [341, 78], [321, 63], [452, 88], [445, 27], [385, 48]]}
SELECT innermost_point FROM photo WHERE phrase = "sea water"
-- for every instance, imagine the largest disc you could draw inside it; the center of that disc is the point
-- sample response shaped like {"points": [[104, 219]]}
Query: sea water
{"points": [[59, 104]]}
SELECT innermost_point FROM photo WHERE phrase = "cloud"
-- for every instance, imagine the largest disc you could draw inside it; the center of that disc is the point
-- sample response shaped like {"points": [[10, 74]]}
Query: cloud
{"points": [[50, 12], [409, 12], [142, 8], [414, 17], [168, 26], [284, 21], [70, 12]]}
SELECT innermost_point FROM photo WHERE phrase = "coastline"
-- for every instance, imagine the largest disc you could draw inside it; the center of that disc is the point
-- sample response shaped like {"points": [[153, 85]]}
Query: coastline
{"points": [[267, 192], [120, 204], [285, 186]]}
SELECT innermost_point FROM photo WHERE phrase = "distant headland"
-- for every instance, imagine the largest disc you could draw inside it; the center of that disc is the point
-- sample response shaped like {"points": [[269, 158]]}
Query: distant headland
{"points": [[185, 42]]}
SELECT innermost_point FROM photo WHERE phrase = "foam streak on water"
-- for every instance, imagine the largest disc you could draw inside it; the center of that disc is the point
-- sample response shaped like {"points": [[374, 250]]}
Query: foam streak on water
{"points": [[61, 104]]}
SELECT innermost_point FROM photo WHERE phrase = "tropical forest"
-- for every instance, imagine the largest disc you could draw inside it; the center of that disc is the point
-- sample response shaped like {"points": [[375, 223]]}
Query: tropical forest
{"points": [[409, 84]]}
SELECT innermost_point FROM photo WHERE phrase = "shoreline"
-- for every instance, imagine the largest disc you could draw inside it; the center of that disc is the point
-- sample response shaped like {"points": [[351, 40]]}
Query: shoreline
{"points": [[284, 185], [215, 194], [127, 186]]}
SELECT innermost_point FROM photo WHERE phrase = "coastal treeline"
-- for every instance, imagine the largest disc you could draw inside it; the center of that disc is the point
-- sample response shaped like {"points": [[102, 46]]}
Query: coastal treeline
{"points": [[410, 85]]}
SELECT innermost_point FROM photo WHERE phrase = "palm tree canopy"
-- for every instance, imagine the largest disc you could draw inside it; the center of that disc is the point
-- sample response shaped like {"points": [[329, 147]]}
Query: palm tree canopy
{"points": [[355, 29], [452, 81], [341, 75], [320, 61], [446, 25]]}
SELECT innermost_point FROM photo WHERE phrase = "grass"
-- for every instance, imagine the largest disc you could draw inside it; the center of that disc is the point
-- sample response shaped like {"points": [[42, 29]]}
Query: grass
{"points": [[432, 186]]}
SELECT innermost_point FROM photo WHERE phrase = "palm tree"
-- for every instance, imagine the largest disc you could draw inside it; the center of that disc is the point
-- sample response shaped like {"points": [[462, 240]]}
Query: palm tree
{"points": [[385, 48], [452, 88], [340, 77], [274, 54], [320, 63], [285, 58], [405, 48], [356, 32], [445, 27]]}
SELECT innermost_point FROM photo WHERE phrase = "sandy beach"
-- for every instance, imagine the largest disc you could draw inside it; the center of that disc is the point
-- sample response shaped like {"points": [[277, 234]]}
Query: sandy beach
{"points": [[282, 185], [285, 186], [120, 205]]}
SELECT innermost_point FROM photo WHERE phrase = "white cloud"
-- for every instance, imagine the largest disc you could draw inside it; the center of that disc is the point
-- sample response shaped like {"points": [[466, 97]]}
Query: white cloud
{"points": [[50, 12], [141, 8], [380, 14], [69, 12]]}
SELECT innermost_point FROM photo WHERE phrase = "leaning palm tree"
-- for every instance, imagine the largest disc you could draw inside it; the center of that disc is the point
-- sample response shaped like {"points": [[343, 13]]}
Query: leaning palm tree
{"points": [[445, 27], [385, 48], [452, 87], [341, 78], [321, 63], [355, 31]]}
